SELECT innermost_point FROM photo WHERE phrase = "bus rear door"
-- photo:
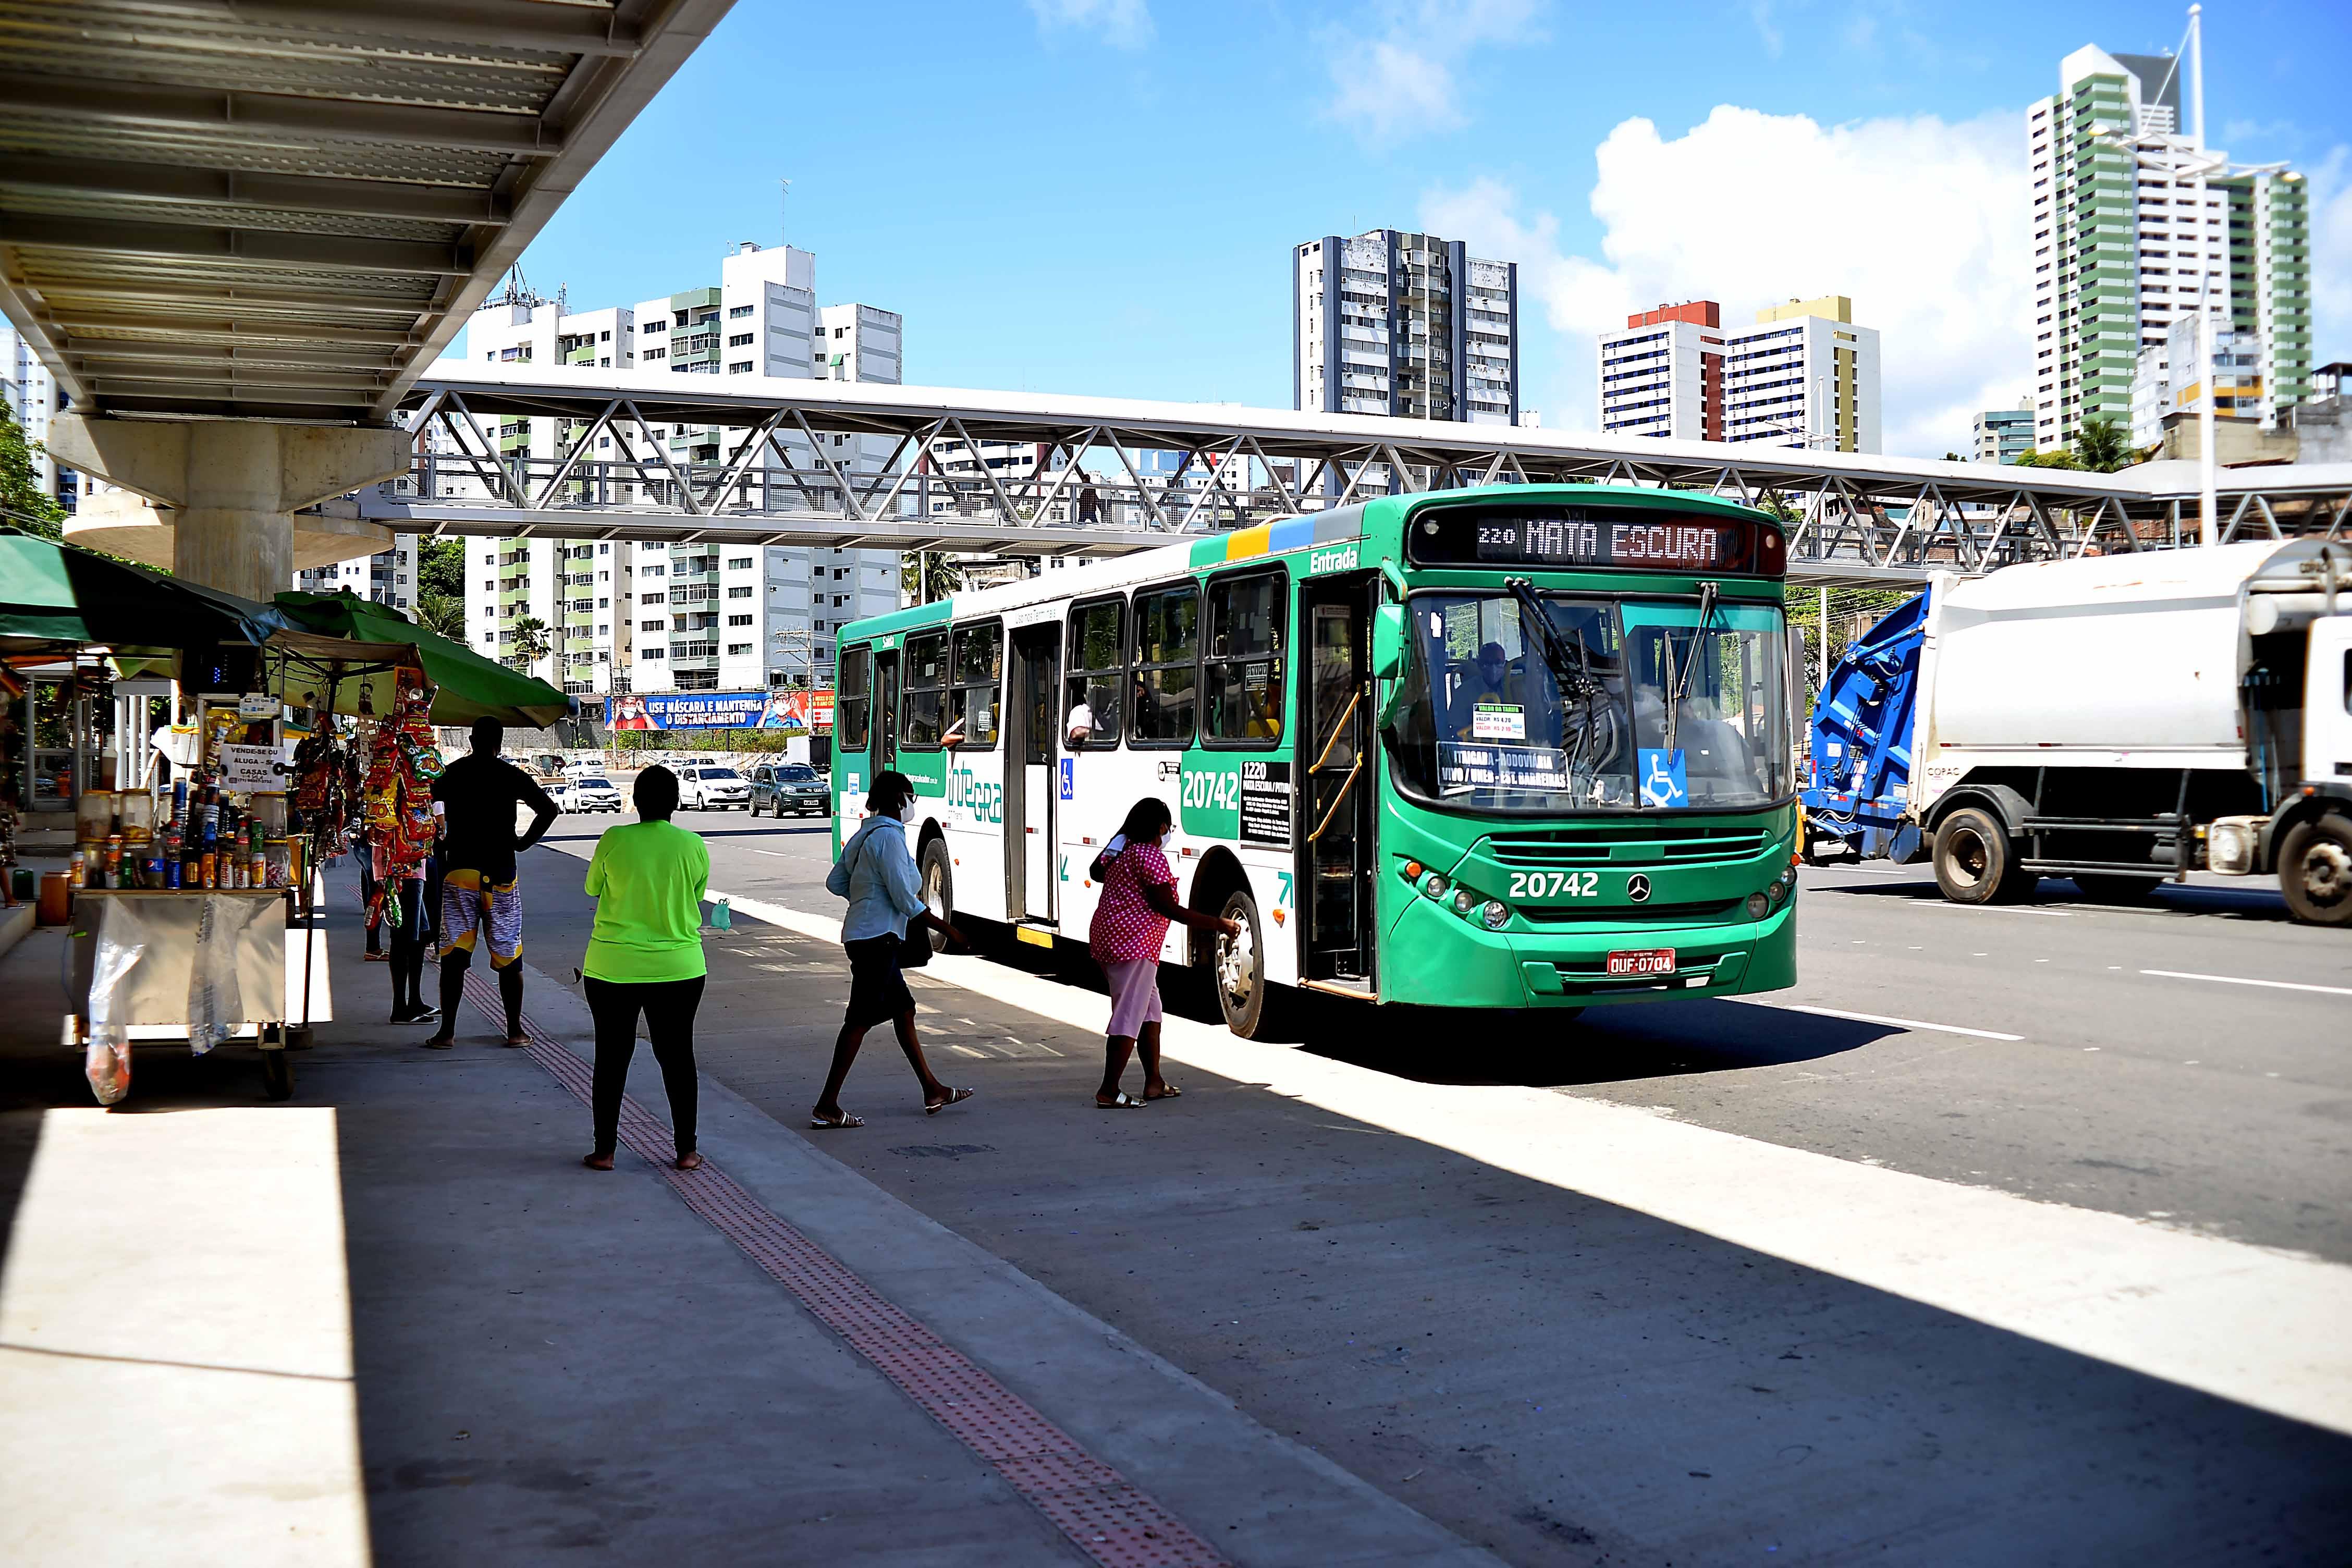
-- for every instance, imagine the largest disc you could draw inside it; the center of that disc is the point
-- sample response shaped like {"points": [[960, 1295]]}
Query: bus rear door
{"points": [[1031, 752], [1336, 792]]}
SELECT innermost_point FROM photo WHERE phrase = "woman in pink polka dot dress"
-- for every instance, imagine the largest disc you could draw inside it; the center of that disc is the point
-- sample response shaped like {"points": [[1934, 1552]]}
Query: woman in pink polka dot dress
{"points": [[1130, 925]]}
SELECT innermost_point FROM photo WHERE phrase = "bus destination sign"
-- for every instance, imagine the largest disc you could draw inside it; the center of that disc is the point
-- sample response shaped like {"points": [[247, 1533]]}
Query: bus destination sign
{"points": [[1578, 537]]}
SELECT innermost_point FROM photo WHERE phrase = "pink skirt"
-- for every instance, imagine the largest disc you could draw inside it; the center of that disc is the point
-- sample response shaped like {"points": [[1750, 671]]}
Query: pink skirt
{"points": [[1134, 995]]}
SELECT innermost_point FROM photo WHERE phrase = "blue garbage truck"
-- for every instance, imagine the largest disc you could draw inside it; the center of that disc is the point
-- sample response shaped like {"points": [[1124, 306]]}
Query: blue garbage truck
{"points": [[2120, 720]]}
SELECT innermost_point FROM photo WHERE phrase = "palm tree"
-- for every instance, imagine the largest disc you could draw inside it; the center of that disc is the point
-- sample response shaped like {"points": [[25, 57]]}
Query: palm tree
{"points": [[531, 644], [442, 613], [2103, 445]]}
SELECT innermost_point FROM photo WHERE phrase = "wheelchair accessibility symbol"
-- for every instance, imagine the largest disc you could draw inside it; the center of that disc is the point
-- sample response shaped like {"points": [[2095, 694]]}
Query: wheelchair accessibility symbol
{"points": [[1664, 781]]}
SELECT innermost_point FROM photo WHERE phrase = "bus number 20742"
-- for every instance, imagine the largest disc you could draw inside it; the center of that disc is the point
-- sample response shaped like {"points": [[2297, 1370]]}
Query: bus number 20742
{"points": [[1554, 884]]}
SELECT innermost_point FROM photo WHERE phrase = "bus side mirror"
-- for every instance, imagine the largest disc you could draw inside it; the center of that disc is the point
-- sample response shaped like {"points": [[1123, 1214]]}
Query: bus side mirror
{"points": [[1388, 641]]}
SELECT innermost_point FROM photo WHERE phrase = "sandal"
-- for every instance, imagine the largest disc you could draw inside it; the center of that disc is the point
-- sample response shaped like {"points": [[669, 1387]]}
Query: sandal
{"points": [[836, 1123], [1120, 1101], [1167, 1091], [690, 1161], [597, 1162], [954, 1095]]}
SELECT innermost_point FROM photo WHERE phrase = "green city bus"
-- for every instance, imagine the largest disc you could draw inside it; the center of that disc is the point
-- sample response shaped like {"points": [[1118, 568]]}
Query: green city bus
{"points": [[1520, 746]]}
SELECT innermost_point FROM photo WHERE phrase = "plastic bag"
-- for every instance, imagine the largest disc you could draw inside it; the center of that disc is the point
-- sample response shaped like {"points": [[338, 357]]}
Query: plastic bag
{"points": [[215, 1001], [106, 1060], [721, 918]]}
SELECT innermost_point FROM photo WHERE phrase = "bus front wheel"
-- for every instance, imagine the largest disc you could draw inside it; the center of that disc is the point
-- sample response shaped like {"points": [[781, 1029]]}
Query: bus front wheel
{"points": [[1241, 967]]}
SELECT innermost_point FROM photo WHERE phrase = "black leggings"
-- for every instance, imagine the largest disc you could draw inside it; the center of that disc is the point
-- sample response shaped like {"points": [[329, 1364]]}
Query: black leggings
{"points": [[669, 1007]]}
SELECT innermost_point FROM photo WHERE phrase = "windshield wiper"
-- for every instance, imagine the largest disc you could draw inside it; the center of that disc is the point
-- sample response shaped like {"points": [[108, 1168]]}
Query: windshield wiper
{"points": [[1681, 682], [1573, 676]]}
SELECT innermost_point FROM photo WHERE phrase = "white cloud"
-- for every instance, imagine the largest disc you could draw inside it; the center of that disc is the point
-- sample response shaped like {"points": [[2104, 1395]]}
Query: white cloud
{"points": [[1123, 24], [1393, 77], [2331, 257], [1924, 224]]}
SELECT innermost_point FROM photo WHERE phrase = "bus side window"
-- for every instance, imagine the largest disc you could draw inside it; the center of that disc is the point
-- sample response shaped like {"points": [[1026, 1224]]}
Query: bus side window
{"points": [[979, 673], [1243, 668], [1098, 671], [852, 700], [1167, 640], [926, 681]]}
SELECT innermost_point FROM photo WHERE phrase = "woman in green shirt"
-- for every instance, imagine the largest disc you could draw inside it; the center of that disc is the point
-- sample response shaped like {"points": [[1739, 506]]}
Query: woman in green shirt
{"points": [[647, 877]]}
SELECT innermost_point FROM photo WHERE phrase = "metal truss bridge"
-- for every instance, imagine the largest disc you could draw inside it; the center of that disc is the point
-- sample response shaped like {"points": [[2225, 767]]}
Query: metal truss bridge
{"points": [[1030, 474]]}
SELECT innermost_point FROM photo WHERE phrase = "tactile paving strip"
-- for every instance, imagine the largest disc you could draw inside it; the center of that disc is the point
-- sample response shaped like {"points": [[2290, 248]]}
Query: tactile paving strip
{"points": [[1102, 1513]]}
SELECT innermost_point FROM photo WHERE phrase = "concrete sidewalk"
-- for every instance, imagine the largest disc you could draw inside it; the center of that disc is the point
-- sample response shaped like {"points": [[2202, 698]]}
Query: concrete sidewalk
{"points": [[395, 1321]]}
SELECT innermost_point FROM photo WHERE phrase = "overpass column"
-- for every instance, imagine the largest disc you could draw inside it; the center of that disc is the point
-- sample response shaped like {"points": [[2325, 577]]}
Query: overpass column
{"points": [[233, 484]]}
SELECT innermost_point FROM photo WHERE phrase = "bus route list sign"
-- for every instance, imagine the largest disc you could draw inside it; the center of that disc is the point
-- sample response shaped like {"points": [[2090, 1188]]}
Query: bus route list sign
{"points": [[792, 713], [1266, 802], [1502, 767]]}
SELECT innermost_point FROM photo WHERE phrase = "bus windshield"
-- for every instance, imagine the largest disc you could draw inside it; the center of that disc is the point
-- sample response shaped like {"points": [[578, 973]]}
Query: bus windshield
{"points": [[1631, 707]]}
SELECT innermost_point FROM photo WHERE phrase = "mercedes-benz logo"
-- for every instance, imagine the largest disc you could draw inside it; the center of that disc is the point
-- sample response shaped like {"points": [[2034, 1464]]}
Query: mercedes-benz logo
{"points": [[1637, 887]]}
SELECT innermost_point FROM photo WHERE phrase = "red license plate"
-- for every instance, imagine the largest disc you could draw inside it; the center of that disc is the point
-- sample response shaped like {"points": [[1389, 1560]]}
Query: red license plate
{"points": [[1642, 961]]}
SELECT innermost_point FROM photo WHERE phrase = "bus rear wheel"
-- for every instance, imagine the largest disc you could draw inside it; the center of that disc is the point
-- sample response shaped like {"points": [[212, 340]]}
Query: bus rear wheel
{"points": [[1240, 968], [939, 888], [2314, 870]]}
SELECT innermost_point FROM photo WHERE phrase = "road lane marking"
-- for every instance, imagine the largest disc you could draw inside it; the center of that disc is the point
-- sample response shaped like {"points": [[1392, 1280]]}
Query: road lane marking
{"points": [[2241, 979], [1878, 1018], [2256, 1325]]}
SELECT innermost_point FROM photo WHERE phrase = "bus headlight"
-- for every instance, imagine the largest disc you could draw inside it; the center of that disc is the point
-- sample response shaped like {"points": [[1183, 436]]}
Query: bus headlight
{"points": [[1464, 901], [1782, 886], [1758, 906], [1435, 884], [1494, 914]]}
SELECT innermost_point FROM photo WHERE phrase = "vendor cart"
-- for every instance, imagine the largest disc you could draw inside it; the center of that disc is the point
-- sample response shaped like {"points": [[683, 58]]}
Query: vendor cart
{"points": [[205, 965]]}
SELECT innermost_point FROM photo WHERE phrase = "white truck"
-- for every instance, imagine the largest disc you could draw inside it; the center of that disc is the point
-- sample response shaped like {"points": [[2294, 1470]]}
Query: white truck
{"points": [[2127, 719]]}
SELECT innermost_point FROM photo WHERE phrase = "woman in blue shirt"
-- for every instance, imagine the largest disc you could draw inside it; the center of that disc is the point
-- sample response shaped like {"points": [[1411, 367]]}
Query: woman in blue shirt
{"points": [[877, 876]]}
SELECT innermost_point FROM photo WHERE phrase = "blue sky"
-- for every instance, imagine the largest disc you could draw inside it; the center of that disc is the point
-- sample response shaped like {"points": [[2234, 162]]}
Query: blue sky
{"points": [[1099, 196]]}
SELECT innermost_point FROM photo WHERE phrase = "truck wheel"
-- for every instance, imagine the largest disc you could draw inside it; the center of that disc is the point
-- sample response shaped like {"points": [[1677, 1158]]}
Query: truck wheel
{"points": [[1974, 861], [2111, 889], [939, 886], [1240, 968], [2314, 870]]}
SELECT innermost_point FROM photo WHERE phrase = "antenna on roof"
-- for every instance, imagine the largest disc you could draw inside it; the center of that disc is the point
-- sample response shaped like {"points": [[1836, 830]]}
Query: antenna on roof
{"points": [[783, 191]]}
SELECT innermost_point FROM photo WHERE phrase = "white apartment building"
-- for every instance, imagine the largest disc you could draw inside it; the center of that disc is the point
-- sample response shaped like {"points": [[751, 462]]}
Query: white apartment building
{"points": [[2165, 380], [2136, 226], [1404, 324], [32, 396], [645, 617], [1803, 375], [388, 577], [1662, 376]]}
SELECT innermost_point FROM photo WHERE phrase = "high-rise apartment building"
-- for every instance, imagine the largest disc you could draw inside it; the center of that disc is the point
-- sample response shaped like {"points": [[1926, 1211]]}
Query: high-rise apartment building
{"points": [[1662, 376], [652, 618], [388, 577], [1803, 375], [2137, 225], [32, 395], [1404, 324], [2002, 435], [2169, 378]]}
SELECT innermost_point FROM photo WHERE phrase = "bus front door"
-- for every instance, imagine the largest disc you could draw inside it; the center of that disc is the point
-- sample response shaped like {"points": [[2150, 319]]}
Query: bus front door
{"points": [[1336, 791], [1031, 752], [884, 730]]}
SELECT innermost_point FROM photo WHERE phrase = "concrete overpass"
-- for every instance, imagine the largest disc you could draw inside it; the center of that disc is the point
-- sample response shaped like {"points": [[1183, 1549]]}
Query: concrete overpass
{"points": [[237, 230], [1080, 490]]}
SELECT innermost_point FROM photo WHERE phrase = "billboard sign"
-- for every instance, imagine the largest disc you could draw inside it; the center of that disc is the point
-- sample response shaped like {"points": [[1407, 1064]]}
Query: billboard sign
{"points": [[792, 713]]}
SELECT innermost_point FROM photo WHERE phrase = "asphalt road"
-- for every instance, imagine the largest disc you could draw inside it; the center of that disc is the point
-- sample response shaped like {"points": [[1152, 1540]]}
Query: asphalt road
{"points": [[2025, 1048], [1568, 1380]]}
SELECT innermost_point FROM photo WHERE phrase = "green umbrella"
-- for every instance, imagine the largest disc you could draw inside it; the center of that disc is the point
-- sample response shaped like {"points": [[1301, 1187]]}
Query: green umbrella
{"points": [[56, 594], [341, 645]]}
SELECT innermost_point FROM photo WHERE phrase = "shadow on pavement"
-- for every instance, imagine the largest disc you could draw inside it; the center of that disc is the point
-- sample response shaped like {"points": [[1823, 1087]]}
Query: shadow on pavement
{"points": [[2257, 902]]}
